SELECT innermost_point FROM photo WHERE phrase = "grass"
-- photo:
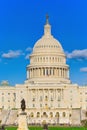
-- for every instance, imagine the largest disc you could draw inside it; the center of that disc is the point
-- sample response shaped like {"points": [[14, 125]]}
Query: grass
{"points": [[50, 128]]}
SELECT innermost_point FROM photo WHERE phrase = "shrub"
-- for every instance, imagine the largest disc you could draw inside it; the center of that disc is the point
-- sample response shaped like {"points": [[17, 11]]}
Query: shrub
{"points": [[84, 123]]}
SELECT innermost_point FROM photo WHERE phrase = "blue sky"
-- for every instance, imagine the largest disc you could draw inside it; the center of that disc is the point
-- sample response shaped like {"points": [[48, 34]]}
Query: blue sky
{"points": [[21, 25]]}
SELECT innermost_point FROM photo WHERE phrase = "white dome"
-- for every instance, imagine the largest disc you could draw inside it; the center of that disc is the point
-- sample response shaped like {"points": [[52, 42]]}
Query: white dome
{"points": [[48, 61], [47, 43]]}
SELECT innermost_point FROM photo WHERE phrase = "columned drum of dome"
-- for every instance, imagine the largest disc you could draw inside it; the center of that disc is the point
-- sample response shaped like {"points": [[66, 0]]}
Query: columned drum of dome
{"points": [[48, 61]]}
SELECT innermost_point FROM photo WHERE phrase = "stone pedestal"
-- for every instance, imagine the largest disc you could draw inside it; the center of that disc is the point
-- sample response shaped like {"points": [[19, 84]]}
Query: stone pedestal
{"points": [[22, 122]]}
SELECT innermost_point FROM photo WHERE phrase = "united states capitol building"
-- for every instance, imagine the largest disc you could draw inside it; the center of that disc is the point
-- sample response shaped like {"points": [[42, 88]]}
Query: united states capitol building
{"points": [[48, 92]]}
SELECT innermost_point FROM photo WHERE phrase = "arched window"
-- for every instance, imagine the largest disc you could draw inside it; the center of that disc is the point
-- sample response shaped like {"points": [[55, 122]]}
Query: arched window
{"points": [[44, 114], [38, 114], [70, 115], [64, 114], [57, 114], [31, 114], [51, 114]]}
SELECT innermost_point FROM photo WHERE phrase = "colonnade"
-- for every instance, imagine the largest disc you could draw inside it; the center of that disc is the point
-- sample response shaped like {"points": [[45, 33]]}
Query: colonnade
{"points": [[48, 71]]}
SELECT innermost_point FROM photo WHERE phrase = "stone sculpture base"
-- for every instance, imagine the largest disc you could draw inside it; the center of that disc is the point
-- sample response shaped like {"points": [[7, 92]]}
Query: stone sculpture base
{"points": [[22, 122]]}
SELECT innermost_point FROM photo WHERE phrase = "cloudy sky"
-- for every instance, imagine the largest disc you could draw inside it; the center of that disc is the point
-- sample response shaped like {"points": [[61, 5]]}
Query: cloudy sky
{"points": [[21, 25]]}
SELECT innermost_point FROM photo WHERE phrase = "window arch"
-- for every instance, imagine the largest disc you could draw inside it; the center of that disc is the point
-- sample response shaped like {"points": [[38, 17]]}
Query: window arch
{"points": [[31, 114], [64, 114], [44, 114], [51, 114], [57, 114], [38, 114], [70, 115]]}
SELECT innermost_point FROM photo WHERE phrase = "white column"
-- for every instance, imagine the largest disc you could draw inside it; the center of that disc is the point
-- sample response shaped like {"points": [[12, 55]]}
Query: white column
{"points": [[48, 71], [52, 71], [34, 72], [45, 71], [63, 72], [68, 73], [41, 71], [27, 74], [37, 72], [59, 72], [30, 73]]}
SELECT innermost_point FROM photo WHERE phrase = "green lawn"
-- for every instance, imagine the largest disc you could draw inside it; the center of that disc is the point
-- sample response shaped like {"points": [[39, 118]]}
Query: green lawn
{"points": [[50, 128]]}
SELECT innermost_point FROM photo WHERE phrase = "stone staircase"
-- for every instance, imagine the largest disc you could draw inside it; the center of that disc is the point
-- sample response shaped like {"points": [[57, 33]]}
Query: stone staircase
{"points": [[8, 117], [4, 116], [12, 117]]}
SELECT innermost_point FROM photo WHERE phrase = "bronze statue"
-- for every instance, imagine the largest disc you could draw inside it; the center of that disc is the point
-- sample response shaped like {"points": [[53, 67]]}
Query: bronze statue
{"points": [[23, 106]]}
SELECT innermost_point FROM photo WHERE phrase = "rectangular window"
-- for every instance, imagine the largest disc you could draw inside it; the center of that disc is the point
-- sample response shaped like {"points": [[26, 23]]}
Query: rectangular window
{"points": [[33, 105], [40, 98], [2, 99], [33, 99], [40, 105]]}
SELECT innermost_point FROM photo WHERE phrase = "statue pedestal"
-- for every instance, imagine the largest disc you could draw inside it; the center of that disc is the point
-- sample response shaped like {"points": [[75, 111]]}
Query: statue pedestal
{"points": [[22, 122]]}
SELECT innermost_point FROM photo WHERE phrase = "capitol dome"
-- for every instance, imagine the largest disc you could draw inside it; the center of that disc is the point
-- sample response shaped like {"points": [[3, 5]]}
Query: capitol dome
{"points": [[48, 61], [47, 43]]}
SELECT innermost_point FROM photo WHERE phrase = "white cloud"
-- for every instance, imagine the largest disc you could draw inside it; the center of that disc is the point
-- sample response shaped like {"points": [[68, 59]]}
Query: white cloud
{"points": [[12, 54], [77, 54], [29, 49], [84, 69], [27, 56]]}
